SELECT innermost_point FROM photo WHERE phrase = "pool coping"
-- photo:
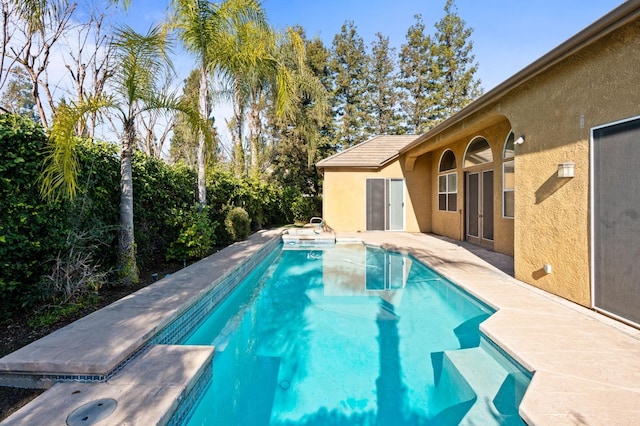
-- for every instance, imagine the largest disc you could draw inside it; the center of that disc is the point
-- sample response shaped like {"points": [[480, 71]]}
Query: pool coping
{"points": [[586, 366], [570, 384], [96, 347]]}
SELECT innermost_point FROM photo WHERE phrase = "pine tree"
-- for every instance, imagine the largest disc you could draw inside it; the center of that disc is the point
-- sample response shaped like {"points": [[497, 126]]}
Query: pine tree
{"points": [[382, 93], [18, 97], [418, 79], [348, 65], [318, 62], [456, 66]]}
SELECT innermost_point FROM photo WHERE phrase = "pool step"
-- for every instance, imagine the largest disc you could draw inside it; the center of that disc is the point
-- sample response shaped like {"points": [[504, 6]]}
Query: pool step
{"points": [[476, 381], [307, 236]]}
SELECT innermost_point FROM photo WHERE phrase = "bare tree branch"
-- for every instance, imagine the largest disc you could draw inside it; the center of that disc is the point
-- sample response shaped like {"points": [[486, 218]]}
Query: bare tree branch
{"points": [[33, 50]]}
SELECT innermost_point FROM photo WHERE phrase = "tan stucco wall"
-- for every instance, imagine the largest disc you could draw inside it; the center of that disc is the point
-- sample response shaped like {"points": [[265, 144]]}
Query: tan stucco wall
{"points": [[555, 111], [344, 197], [452, 224], [600, 85]]}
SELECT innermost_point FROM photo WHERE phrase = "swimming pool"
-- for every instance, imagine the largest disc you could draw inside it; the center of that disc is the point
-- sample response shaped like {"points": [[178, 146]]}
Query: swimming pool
{"points": [[350, 334]]}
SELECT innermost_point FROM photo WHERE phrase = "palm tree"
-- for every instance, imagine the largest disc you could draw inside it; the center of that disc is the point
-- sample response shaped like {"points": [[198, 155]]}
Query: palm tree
{"points": [[203, 27], [310, 111], [249, 64], [285, 82], [142, 61]]}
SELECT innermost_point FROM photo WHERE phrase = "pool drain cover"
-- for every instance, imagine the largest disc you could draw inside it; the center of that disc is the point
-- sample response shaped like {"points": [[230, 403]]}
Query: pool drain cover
{"points": [[285, 384], [92, 412]]}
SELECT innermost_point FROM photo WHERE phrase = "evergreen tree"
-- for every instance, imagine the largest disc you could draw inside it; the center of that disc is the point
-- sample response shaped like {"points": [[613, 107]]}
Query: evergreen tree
{"points": [[18, 97], [382, 93], [456, 84], [318, 57], [348, 65], [418, 79]]}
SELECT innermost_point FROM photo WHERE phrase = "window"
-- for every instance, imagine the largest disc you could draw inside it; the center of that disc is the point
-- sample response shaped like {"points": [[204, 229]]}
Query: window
{"points": [[448, 183], [508, 177], [478, 152]]}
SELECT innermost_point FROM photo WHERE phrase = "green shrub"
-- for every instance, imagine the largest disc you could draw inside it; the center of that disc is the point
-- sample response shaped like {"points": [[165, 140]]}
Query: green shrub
{"points": [[238, 224], [196, 233], [43, 244], [305, 207], [159, 191], [31, 231]]}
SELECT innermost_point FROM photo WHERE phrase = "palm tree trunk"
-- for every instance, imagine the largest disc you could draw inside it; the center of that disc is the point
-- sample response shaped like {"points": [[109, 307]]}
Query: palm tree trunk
{"points": [[204, 112], [255, 125], [238, 115], [128, 268]]}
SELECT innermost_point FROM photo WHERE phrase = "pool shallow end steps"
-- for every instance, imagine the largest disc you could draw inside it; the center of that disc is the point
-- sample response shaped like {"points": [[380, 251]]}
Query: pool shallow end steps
{"points": [[586, 366]]}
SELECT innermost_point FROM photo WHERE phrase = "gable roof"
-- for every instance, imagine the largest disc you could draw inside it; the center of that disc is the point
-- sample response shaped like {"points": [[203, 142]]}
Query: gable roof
{"points": [[370, 154]]}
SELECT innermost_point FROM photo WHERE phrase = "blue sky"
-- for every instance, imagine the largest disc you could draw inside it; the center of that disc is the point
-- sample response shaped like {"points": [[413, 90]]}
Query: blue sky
{"points": [[507, 34]]}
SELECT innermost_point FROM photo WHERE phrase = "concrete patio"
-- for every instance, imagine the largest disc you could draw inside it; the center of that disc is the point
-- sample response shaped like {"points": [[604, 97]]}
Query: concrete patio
{"points": [[586, 366]]}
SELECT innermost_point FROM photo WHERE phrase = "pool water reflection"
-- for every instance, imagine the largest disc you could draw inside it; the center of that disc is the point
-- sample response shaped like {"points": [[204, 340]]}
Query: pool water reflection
{"points": [[350, 334]]}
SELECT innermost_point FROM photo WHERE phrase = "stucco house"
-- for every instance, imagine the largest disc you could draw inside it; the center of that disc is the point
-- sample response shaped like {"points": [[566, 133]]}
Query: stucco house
{"points": [[545, 167]]}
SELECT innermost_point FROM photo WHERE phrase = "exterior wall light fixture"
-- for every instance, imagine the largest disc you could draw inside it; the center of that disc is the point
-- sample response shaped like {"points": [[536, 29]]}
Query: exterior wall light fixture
{"points": [[519, 141], [566, 170]]}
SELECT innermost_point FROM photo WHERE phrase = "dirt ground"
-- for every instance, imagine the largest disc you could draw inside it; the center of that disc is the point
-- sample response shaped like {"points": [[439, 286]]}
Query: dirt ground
{"points": [[17, 333]]}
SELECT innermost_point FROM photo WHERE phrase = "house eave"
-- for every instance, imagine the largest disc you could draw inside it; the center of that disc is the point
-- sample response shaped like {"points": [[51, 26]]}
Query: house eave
{"points": [[617, 18]]}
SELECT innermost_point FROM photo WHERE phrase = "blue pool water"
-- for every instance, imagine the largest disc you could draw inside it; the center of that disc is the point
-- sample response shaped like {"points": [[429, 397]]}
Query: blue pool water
{"points": [[353, 335]]}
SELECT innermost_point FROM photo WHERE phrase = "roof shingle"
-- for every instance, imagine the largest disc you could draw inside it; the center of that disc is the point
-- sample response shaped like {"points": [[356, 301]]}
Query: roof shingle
{"points": [[372, 153]]}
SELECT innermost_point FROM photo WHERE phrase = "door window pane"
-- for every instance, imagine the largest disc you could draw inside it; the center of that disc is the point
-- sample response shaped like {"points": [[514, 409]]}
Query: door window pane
{"points": [[448, 161], [452, 201], [452, 182], [473, 205], [487, 205], [442, 201], [509, 150]]}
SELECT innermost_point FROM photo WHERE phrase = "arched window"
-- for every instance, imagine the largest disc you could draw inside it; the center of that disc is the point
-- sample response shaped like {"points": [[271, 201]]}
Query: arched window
{"points": [[448, 182], [509, 151], [508, 177], [448, 161], [478, 152]]}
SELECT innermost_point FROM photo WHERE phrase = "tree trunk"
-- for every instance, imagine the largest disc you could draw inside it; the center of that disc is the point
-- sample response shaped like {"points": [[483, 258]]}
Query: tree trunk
{"points": [[255, 127], [238, 115], [128, 268], [204, 112]]}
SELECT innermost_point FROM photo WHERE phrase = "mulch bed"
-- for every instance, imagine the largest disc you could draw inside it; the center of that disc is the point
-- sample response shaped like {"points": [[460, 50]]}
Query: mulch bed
{"points": [[17, 333]]}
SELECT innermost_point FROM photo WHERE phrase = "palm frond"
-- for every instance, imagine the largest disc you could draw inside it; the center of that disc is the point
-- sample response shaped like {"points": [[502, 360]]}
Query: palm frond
{"points": [[143, 59], [59, 176]]}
